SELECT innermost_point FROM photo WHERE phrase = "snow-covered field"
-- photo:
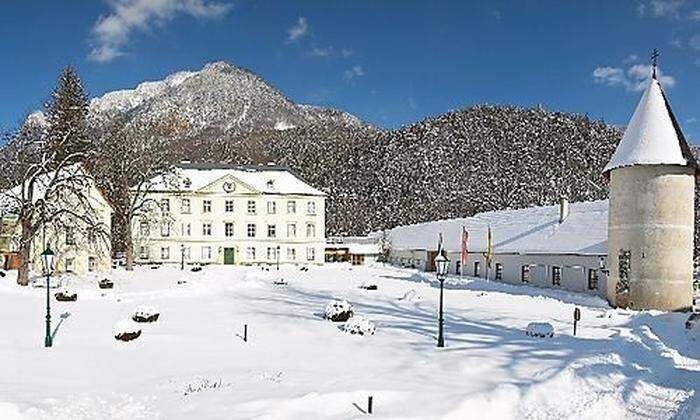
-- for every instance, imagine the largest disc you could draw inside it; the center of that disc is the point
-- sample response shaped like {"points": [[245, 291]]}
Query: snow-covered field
{"points": [[193, 362]]}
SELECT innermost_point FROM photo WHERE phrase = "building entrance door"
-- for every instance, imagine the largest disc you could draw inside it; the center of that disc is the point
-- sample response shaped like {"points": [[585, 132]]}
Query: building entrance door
{"points": [[229, 256]]}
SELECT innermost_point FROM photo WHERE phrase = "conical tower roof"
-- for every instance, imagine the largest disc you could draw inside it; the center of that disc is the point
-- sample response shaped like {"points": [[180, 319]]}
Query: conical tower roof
{"points": [[653, 136]]}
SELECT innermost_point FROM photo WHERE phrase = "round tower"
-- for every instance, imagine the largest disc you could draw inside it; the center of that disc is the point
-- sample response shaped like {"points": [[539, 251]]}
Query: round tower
{"points": [[651, 214]]}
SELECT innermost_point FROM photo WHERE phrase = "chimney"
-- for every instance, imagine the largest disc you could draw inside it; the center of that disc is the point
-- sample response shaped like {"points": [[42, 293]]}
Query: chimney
{"points": [[563, 208]]}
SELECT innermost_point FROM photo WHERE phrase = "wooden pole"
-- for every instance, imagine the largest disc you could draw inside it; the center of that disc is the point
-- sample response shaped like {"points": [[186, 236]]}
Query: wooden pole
{"points": [[369, 405], [245, 333]]}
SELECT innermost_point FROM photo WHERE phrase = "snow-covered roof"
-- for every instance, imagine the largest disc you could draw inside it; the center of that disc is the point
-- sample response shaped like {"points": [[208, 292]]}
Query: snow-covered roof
{"points": [[653, 136], [534, 230], [364, 249], [264, 179]]}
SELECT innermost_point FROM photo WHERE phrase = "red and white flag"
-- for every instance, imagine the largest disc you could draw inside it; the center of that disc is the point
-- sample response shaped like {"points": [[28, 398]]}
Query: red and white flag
{"points": [[464, 250]]}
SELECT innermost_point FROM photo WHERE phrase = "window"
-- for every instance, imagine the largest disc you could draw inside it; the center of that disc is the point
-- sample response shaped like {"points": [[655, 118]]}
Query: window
{"points": [[144, 229], [592, 279], [206, 206], [251, 207], [250, 253], [311, 207], [458, 267], [229, 206], [310, 230], [165, 253], [525, 274], [165, 205], [477, 269], [291, 254], [271, 231], [92, 264], [165, 229], [228, 229], [185, 206], [624, 266], [251, 230], [556, 276], [311, 254], [143, 252], [70, 236], [186, 253], [206, 229], [271, 253], [186, 229], [291, 230], [291, 207], [70, 265], [271, 207], [499, 271], [206, 252]]}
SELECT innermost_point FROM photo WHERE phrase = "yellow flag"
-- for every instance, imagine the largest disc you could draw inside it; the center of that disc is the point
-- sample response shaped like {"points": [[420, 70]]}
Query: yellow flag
{"points": [[489, 248]]}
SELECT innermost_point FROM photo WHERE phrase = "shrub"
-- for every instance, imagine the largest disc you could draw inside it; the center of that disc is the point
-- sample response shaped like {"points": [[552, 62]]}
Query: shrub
{"points": [[145, 313], [338, 311], [360, 326], [126, 330], [539, 329]]}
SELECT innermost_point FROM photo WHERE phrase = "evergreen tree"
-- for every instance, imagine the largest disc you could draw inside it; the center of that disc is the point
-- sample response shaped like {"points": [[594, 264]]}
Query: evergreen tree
{"points": [[66, 116]]}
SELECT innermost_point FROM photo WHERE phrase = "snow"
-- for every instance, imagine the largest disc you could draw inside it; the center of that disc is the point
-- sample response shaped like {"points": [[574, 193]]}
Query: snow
{"points": [[336, 309], [126, 326], [650, 137], [283, 125], [193, 363], [539, 329], [257, 178], [532, 230], [364, 249]]}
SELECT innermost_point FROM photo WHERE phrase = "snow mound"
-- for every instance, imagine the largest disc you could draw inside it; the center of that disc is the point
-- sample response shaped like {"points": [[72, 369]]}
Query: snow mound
{"points": [[126, 330], [369, 285], [411, 296], [66, 295], [145, 313], [360, 326], [539, 329], [338, 311]]}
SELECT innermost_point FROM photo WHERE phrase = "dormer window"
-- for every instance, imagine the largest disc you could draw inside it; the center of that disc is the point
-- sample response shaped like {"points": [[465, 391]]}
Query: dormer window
{"points": [[270, 184], [187, 183]]}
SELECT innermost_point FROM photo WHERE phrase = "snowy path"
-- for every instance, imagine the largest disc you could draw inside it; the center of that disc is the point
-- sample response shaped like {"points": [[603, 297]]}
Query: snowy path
{"points": [[296, 365]]}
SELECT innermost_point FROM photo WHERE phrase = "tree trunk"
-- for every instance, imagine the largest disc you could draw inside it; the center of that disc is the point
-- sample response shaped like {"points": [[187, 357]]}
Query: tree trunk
{"points": [[25, 252], [128, 247]]}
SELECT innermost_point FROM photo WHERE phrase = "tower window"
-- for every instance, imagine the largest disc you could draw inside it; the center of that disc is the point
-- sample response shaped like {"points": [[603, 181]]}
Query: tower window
{"points": [[477, 269], [624, 267], [525, 274], [499, 271], [592, 279]]}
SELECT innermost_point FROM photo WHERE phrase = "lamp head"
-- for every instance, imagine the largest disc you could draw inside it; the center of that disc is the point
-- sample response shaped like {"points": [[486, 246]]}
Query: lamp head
{"points": [[47, 259], [442, 265]]}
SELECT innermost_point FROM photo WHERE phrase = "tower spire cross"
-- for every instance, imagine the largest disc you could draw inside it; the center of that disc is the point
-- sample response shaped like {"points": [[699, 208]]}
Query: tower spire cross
{"points": [[654, 61]]}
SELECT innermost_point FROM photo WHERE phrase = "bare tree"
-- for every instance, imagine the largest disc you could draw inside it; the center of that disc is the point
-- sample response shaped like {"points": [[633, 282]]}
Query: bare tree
{"points": [[48, 194], [134, 158]]}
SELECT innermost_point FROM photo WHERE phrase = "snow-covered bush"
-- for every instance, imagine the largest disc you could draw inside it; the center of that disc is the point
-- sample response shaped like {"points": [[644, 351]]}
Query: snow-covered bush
{"points": [[145, 313], [360, 326], [539, 329], [338, 311], [127, 330], [66, 295], [105, 284], [369, 285]]}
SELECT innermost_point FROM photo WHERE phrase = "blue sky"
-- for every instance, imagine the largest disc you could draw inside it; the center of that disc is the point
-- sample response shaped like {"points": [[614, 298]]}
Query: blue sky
{"points": [[388, 62]]}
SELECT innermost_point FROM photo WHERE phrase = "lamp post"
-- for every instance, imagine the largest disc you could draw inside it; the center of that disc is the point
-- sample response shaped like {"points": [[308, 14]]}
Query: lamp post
{"points": [[47, 259], [278, 258], [442, 264], [182, 257]]}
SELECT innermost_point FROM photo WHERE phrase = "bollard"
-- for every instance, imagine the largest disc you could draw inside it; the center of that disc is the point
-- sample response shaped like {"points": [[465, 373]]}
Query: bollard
{"points": [[245, 333], [577, 318], [369, 405]]}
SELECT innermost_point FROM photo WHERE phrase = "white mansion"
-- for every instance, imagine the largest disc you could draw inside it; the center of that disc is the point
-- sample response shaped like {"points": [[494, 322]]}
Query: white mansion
{"points": [[218, 214]]}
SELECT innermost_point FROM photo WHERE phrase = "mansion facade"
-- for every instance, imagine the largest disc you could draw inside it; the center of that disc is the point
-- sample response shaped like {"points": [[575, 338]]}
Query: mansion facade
{"points": [[219, 214]]}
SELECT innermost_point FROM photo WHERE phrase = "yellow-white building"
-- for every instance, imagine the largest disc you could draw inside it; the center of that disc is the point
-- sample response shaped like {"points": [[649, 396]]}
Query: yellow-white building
{"points": [[225, 214]]}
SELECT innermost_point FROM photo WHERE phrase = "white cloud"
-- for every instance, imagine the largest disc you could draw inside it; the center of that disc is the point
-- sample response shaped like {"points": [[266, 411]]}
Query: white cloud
{"points": [[661, 8], [354, 72], [634, 79], [631, 59], [111, 32], [694, 42], [321, 52], [299, 30], [345, 52]]}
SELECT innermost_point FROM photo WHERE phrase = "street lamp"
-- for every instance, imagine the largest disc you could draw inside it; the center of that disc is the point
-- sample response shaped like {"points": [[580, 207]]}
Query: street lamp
{"points": [[182, 257], [278, 258], [47, 259], [442, 264]]}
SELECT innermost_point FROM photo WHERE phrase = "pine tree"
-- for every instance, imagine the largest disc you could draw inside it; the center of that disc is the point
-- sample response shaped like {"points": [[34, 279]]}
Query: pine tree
{"points": [[66, 115]]}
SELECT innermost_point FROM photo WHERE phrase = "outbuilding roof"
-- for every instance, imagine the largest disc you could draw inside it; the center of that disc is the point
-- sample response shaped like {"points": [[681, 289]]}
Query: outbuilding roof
{"points": [[534, 230]]}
